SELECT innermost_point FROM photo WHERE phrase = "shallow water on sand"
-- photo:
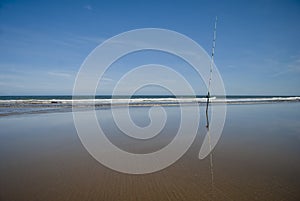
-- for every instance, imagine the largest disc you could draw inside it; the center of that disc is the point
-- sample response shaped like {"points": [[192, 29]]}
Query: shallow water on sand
{"points": [[257, 158]]}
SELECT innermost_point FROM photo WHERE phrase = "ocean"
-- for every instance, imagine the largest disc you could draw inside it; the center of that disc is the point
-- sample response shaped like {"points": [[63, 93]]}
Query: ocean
{"points": [[14, 105]]}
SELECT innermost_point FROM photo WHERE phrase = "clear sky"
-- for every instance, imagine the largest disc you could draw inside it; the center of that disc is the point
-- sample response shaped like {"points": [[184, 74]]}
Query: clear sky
{"points": [[43, 43]]}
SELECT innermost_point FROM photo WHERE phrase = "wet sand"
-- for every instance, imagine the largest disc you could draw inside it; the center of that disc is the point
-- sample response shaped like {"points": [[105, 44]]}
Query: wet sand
{"points": [[257, 158]]}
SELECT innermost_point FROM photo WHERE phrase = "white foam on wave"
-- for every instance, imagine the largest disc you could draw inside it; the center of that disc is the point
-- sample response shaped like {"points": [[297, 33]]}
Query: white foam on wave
{"points": [[259, 100], [145, 101]]}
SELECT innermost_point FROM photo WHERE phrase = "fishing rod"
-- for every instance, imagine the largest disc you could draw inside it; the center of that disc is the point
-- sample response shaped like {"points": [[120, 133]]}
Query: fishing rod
{"points": [[207, 105], [210, 72]]}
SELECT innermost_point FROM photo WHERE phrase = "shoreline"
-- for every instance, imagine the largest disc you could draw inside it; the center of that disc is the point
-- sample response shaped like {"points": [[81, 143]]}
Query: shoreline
{"points": [[42, 108]]}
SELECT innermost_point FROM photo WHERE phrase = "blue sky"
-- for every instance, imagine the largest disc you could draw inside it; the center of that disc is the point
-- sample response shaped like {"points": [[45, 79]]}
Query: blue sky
{"points": [[43, 43]]}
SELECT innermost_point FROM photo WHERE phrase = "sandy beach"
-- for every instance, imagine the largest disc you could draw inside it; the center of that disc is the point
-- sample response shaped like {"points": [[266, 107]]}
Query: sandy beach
{"points": [[157, 100], [257, 158]]}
